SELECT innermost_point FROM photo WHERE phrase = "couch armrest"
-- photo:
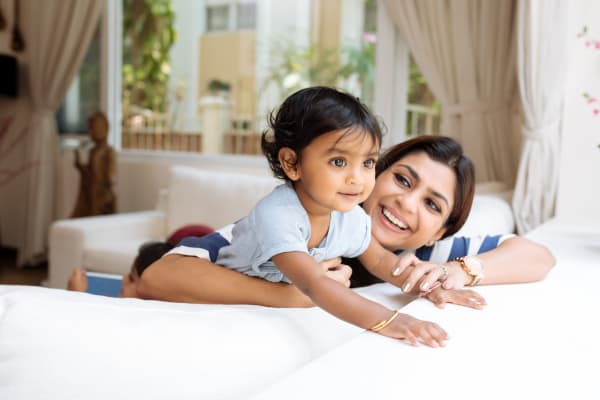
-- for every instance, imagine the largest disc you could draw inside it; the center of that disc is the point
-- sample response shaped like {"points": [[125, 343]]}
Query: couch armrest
{"points": [[69, 238]]}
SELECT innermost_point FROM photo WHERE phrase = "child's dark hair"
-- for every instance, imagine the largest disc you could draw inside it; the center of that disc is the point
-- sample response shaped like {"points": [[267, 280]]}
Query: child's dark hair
{"points": [[310, 113], [148, 253]]}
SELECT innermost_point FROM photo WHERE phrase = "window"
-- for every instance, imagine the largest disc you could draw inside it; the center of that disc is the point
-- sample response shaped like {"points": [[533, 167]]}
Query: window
{"points": [[201, 76], [83, 96], [246, 15], [204, 74], [217, 18], [423, 109]]}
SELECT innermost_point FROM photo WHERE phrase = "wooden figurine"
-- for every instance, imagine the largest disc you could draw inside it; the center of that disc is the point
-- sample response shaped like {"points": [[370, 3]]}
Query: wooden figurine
{"points": [[96, 195]]}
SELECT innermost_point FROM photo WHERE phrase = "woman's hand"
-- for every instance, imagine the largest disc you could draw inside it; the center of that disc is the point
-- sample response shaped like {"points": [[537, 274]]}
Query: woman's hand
{"points": [[415, 331], [426, 276], [337, 271], [464, 297]]}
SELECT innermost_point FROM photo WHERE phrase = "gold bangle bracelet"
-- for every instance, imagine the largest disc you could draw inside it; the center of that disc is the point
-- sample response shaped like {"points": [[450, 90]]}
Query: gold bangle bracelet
{"points": [[384, 323]]}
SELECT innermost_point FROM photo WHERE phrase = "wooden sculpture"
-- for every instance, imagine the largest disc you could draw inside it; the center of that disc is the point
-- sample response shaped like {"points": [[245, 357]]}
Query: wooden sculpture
{"points": [[96, 195]]}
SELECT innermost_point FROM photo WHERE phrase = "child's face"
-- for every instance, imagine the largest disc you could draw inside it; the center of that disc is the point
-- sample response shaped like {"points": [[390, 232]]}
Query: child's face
{"points": [[336, 171]]}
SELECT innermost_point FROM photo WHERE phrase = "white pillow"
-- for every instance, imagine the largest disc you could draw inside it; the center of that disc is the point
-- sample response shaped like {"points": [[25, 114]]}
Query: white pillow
{"points": [[490, 214], [213, 198]]}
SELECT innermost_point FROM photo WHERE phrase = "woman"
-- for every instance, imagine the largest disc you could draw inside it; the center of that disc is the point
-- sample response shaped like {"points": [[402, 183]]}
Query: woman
{"points": [[423, 194]]}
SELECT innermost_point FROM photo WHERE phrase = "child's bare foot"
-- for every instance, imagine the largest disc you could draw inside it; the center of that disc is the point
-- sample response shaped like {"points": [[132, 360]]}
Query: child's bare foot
{"points": [[78, 281]]}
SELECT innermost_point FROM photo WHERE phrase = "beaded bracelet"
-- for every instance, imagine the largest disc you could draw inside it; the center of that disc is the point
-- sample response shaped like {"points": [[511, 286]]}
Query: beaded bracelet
{"points": [[379, 326]]}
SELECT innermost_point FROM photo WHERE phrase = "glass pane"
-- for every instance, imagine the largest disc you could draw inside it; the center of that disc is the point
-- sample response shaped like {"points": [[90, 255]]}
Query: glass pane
{"points": [[246, 15], [217, 18], [423, 109], [192, 82], [83, 97]]}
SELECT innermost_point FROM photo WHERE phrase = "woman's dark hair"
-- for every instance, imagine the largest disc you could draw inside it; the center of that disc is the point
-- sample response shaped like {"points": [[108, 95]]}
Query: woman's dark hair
{"points": [[310, 113], [148, 253], [447, 151]]}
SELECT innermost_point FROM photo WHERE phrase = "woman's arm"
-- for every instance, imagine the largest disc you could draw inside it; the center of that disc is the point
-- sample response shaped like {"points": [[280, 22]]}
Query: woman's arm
{"points": [[515, 260], [186, 279]]}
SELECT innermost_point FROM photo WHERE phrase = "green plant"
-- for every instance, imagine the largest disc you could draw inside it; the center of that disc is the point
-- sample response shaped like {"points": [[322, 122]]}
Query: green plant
{"points": [[296, 67], [216, 85], [148, 35]]}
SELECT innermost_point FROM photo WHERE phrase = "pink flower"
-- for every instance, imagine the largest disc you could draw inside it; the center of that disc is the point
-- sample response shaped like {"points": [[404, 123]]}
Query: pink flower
{"points": [[597, 44], [369, 37], [587, 44], [596, 111], [591, 100]]}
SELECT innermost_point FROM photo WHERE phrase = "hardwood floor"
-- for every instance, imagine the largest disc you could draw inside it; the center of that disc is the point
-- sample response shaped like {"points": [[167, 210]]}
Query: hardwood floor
{"points": [[11, 275]]}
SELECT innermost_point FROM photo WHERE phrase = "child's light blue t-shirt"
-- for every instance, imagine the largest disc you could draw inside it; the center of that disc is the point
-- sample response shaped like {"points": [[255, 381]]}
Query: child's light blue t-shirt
{"points": [[279, 224]]}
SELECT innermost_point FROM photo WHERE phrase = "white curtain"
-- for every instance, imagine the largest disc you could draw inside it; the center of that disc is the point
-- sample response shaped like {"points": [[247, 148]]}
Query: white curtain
{"points": [[465, 50], [57, 34], [541, 66]]}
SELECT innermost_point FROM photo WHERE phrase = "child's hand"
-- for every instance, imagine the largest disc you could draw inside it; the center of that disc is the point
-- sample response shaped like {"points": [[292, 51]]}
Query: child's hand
{"points": [[337, 271], [467, 298], [415, 331]]}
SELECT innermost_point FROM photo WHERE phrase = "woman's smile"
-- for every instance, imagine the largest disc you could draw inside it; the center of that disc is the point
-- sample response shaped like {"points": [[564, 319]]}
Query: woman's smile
{"points": [[392, 219]]}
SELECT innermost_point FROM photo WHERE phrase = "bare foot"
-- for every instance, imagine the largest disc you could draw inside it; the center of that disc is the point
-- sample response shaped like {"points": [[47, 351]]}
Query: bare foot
{"points": [[78, 281]]}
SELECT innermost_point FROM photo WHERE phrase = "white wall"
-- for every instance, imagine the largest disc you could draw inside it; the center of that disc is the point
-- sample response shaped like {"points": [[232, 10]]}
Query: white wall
{"points": [[579, 184]]}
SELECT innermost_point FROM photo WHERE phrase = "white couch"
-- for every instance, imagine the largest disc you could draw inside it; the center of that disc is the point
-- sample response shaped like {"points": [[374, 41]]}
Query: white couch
{"points": [[194, 196], [532, 341]]}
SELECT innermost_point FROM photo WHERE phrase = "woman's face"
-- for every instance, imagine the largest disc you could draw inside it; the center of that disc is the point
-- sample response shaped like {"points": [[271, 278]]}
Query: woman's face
{"points": [[411, 202]]}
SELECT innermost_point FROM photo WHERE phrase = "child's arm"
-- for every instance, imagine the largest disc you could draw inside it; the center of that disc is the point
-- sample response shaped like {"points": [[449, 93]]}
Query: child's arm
{"points": [[349, 306], [386, 265]]}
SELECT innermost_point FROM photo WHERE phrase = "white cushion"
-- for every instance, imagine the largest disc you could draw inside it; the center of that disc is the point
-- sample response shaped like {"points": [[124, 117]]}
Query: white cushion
{"points": [[490, 214], [212, 198]]}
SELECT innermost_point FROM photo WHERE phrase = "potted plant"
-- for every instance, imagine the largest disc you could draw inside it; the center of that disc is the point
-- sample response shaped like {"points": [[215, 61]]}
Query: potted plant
{"points": [[218, 87]]}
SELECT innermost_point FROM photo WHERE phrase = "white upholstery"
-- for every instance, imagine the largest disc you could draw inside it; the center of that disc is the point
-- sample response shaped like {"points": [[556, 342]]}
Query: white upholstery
{"points": [[212, 198], [71, 239], [109, 243], [532, 341], [491, 214], [56, 344]]}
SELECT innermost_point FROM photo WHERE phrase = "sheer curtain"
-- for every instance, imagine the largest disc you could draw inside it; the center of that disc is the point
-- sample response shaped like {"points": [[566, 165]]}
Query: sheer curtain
{"points": [[466, 51], [57, 34], [541, 64]]}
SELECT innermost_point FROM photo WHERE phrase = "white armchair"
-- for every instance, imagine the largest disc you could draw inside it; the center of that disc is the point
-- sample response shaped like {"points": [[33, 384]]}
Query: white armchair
{"points": [[109, 243]]}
